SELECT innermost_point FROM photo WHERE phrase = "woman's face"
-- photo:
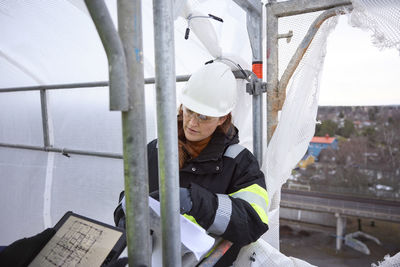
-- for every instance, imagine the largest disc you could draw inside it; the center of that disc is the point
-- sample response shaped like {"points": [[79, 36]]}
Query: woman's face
{"points": [[198, 127]]}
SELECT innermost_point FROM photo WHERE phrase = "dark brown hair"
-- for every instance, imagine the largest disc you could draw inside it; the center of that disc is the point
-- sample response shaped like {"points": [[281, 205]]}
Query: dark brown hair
{"points": [[182, 145]]}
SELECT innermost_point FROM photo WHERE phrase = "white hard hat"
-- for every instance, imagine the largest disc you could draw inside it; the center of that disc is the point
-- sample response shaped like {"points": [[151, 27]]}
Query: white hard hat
{"points": [[211, 91]]}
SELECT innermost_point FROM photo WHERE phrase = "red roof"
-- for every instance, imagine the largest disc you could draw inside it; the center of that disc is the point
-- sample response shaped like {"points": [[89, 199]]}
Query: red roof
{"points": [[323, 139]]}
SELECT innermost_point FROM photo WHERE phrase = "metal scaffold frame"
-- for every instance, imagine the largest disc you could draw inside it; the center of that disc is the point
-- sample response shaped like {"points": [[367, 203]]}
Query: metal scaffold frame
{"points": [[276, 89], [125, 55]]}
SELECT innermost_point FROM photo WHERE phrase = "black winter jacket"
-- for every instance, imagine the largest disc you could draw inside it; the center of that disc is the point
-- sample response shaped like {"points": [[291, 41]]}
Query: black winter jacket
{"points": [[216, 173]]}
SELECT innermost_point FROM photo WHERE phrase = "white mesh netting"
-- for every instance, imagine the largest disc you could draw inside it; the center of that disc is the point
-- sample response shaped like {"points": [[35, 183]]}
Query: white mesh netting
{"points": [[297, 119], [296, 125], [381, 17]]}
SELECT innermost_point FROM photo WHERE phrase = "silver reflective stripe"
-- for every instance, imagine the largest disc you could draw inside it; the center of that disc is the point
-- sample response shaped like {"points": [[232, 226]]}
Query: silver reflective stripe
{"points": [[252, 198], [222, 215], [123, 205], [233, 150]]}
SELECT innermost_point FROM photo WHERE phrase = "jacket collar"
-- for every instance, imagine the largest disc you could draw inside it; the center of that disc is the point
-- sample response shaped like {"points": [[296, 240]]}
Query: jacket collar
{"points": [[218, 144]]}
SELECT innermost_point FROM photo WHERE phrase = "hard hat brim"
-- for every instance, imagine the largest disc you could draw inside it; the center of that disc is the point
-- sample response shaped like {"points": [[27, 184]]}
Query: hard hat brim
{"points": [[200, 108]]}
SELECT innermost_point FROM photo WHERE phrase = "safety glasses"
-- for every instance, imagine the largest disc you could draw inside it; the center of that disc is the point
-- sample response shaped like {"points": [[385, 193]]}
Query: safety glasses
{"points": [[200, 118]]}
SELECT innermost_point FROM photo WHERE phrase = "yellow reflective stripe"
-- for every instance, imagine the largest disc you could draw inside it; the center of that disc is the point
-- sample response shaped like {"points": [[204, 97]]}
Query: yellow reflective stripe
{"points": [[252, 198], [257, 197], [217, 243], [261, 213], [255, 188], [191, 218], [211, 251]]}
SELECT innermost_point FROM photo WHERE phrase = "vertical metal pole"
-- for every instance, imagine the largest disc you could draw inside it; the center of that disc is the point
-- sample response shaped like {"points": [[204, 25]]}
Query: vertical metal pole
{"points": [[254, 29], [134, 136], [115, 53], [45, 118], [257, 127], [167, 131], [272, 71]]}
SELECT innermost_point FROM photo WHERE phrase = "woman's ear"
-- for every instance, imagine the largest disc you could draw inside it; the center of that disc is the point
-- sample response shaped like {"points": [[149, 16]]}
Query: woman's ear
{"points": [[222, 119]]}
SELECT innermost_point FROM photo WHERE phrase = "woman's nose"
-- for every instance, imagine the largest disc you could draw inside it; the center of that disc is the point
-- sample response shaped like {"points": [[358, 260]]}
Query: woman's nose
{"points": [[193, 120]]}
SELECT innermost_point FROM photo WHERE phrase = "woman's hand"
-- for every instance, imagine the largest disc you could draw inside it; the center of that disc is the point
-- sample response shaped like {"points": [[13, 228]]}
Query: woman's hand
{"points": [[185, 199]]}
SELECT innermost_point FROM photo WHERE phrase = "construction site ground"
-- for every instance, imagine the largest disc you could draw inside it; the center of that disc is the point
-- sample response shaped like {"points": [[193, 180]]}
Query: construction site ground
{"points": [[317, 244]]}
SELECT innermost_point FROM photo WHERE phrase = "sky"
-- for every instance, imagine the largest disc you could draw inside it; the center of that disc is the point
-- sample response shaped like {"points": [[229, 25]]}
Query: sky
{"points": [[358, 73]]}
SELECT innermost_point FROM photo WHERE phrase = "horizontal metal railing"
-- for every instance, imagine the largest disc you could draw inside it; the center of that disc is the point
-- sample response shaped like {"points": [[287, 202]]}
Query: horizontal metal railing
{"points": [[65, 151], [68, 151], [182, 78], [179, 78], [346, 205]]}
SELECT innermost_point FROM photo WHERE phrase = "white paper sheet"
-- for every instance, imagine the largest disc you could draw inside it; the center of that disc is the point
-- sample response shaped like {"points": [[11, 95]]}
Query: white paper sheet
{"points": [[193, 237]]}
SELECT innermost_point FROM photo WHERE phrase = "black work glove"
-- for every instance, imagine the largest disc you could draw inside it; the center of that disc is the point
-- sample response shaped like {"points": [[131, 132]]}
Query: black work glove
{"points": [[22, 251], [155, 195], [184, 198]]}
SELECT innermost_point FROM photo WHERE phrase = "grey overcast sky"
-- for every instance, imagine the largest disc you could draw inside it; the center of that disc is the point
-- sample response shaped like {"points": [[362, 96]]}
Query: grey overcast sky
{"points": [[358, 73]]}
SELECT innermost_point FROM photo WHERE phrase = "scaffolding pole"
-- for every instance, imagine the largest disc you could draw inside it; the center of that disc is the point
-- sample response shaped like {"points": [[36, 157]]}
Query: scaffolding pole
{"points": [[296, 7], [65, 151], [272, 71], [115, 53], [253, 9], [134, 136], [254, 28], [45, 118], [179, 78], [167, 131]]}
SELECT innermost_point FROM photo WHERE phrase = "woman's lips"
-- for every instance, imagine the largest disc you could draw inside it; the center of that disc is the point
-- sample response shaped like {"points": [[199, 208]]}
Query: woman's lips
{"points": [[191, 130]]}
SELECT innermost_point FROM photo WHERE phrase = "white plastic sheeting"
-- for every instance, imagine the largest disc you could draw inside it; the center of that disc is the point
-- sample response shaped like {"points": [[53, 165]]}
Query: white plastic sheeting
{"points": [[52, 42], [261, 253], [388, 261]]}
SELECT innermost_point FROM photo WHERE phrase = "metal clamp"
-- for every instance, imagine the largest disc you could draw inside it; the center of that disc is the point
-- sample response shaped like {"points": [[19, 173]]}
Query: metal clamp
{"points": [[256, 86]]}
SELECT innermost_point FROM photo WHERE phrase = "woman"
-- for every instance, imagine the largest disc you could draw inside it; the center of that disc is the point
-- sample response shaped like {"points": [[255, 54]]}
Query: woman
{"points": [[222, 187]]}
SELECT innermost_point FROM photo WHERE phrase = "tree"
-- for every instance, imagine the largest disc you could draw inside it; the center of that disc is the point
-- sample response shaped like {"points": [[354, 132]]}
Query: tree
{"points": [[391, 140], [372, 113], [348, 128], [351, 152], [371, 134], [326, 127]]}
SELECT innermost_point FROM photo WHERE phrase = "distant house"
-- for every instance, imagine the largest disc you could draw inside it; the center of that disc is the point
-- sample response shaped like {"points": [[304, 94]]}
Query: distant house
{"points": [[357, 124], [318, 143], [366, 123], [305, 161]]}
